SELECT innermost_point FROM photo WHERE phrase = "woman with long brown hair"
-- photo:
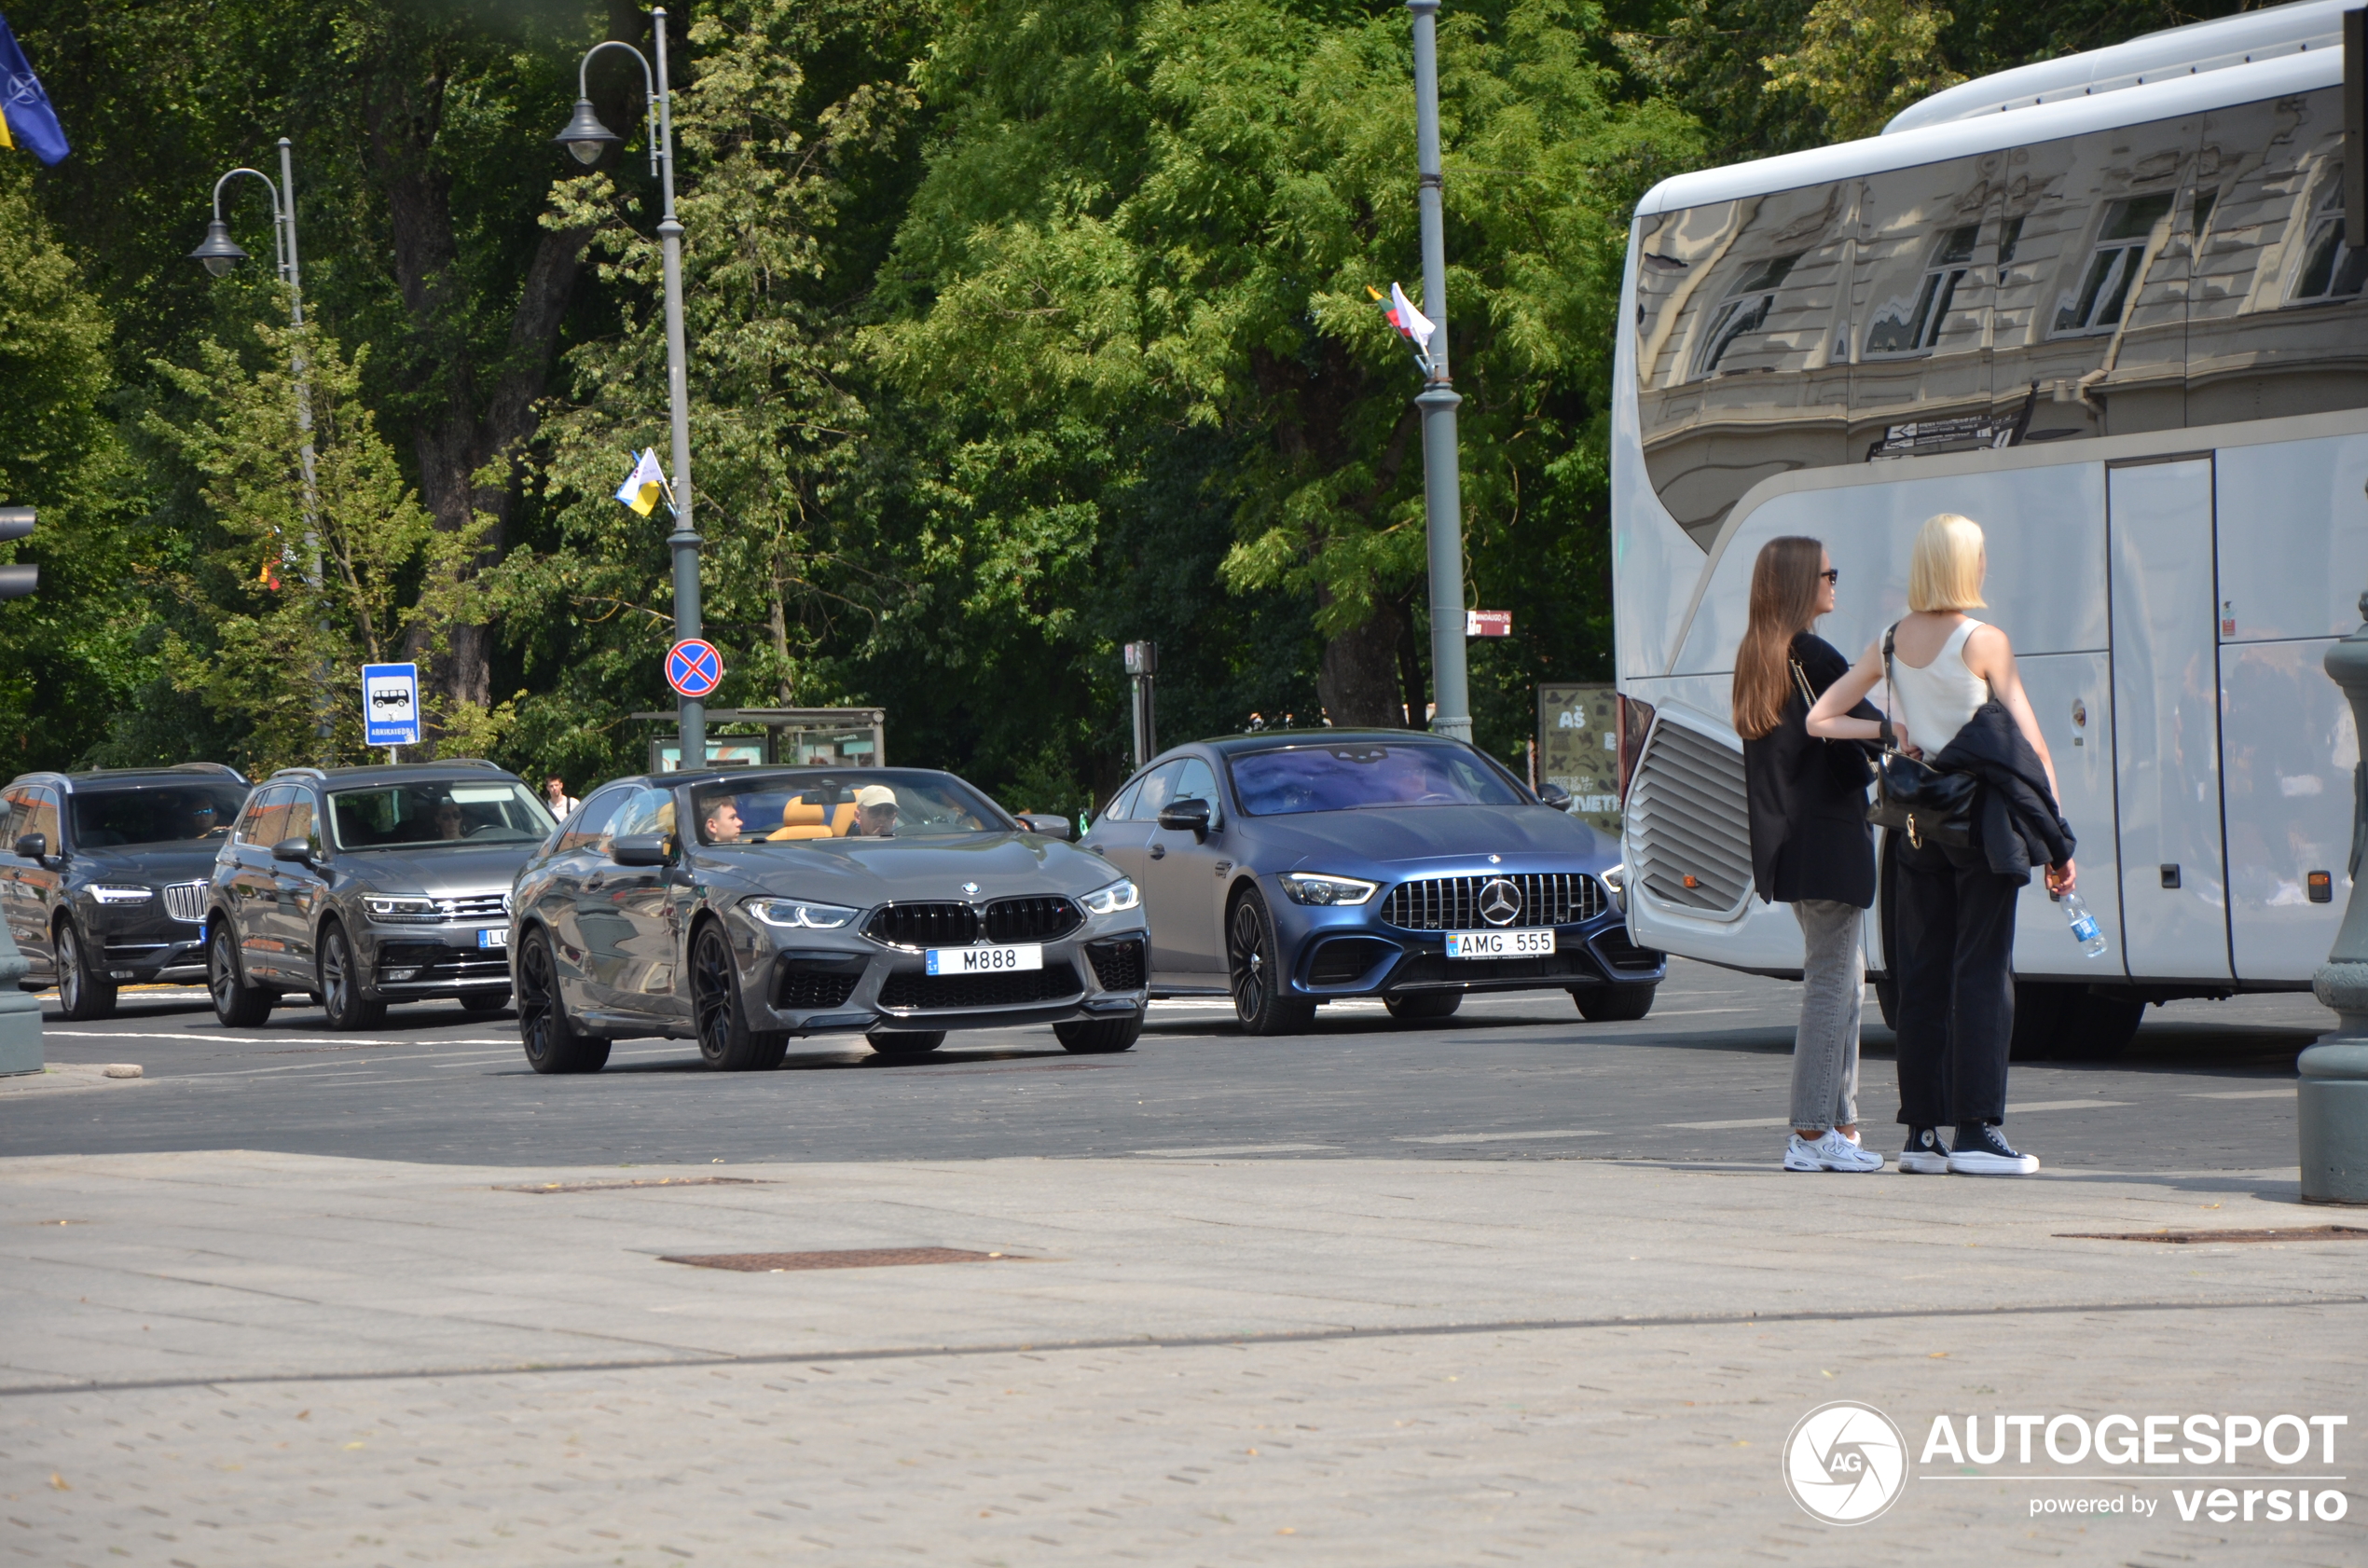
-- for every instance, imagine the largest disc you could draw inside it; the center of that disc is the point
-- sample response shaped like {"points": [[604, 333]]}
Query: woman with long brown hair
{"points": [[1810, 846]]}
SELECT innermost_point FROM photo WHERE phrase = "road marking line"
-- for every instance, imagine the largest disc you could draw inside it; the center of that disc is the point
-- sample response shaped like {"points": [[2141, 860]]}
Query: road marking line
{"points": [[1237, 1148], [2065, 1104], [2244, 1094], [1786, 1121], [1500, 1138], [191, 1037]]}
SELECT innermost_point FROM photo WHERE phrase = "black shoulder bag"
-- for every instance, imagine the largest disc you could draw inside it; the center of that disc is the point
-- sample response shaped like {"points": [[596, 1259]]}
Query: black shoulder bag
{"points": [[1911, 796]]}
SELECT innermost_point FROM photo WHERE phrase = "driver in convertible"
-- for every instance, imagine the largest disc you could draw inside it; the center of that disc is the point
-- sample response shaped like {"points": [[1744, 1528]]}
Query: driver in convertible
{"points": [[875, 813], [722, 823]]}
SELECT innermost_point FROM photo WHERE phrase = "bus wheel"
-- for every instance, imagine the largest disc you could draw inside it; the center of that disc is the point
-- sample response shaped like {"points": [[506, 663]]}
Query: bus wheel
{"points": [[2099, 1027], [2041, 1010]]}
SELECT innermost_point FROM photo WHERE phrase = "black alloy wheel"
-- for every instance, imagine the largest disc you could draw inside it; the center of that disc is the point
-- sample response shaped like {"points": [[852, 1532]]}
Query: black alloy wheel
{"points": [[1614, 1004], [726, 1042], [1253, 963], [340, 993], [906, 1045], [485, 1001], [552, 1042], [81, 994], [1422, 1006], [238, 1004], [1099, 1036]]}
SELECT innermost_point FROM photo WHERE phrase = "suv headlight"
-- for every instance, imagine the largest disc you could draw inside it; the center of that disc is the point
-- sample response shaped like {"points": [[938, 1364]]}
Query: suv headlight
{"points": [[1115, 899], [790, 913], [383, 906], [1311, 887], [109, 893]]}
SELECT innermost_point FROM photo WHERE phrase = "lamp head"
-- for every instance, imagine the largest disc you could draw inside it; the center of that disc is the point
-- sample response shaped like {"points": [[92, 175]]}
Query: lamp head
{"points": [[219, 252], [584, 135]]}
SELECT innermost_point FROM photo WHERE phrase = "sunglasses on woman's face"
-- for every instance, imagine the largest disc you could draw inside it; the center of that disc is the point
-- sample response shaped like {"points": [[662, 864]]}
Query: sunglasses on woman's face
{"points": [[1832, 574]]}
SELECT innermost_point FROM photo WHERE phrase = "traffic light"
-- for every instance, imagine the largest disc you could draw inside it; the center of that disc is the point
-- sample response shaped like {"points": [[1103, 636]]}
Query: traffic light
{"points": [[16, 581]]}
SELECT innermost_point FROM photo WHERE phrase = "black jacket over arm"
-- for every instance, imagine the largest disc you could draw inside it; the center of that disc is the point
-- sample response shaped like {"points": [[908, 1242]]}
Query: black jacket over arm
{"points": [[1810, 837], [2016, 825]]}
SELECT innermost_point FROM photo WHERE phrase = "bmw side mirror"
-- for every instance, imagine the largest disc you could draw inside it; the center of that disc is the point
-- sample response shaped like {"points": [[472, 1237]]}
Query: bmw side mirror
{"points": [[1046, 824], [1186, 817], [640, 849], [296, 851], [1554, 795], [33, 846]]}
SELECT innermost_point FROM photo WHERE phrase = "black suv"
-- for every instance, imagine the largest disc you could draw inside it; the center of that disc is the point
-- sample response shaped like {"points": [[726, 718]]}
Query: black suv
{"points": [[367, 886], [104, 880]]}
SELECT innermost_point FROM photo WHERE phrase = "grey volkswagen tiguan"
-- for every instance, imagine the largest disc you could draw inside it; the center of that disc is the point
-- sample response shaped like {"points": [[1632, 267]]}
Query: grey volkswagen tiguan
{"points": [[367, 886]]}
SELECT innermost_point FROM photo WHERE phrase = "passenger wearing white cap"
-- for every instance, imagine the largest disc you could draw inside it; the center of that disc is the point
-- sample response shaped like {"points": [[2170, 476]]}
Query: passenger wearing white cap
{"points": [[874, 812]]}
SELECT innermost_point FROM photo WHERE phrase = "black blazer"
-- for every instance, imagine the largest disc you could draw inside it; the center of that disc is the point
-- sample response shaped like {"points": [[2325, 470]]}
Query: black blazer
{"points": [[1808, 797]]}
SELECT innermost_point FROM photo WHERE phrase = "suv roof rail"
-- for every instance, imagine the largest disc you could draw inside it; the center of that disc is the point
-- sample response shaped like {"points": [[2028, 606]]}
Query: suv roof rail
{"points": [[470, 761], [299, 772], [208, 767]]}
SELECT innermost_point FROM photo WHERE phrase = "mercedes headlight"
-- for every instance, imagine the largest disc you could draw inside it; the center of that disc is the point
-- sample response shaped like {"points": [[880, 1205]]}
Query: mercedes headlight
{"points": [[108, 892], [384, 907], [790, 913], [1310, 887], [1115, 899]]}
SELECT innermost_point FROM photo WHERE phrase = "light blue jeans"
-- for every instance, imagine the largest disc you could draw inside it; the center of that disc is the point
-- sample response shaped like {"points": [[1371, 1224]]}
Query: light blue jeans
{"points": [[1825, 1045]]}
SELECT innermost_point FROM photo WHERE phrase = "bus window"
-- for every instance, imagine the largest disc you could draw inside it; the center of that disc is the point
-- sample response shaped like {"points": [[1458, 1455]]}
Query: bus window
{"points": [[1924, 281]]}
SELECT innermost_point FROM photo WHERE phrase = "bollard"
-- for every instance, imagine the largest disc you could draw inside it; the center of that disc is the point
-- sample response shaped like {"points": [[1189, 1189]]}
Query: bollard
{"points": [[20, 1013], [2331, 1100]]}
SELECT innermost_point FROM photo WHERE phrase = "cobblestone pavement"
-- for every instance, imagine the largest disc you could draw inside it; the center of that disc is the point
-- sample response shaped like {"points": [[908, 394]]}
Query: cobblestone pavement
{"points": [[245, 1359]]}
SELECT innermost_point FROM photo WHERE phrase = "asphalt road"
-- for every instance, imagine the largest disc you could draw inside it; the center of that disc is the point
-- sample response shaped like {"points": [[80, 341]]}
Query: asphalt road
{"points": [[2208, 1086]]}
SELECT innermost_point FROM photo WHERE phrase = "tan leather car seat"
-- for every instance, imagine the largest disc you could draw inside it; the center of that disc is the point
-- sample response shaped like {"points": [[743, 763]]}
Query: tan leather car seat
{"points": [[800, 818]]}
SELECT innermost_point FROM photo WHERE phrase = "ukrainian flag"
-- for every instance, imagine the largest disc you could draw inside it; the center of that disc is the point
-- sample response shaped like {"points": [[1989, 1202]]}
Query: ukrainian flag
{"points": [[26, 118]]}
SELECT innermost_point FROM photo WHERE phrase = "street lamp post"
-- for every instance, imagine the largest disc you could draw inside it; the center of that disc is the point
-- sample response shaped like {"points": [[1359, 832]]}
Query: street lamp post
{"points": [[1442, 489], [586, 138]]}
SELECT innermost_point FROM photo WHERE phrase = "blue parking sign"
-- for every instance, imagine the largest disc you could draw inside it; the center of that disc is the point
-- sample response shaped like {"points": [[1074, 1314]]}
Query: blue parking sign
{"points": [[391, 705]]}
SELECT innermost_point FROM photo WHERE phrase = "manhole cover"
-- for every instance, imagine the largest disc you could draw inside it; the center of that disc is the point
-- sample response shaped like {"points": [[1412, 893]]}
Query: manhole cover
{"points": [[857, 1258], [620, 1186], [2182, 1238]]}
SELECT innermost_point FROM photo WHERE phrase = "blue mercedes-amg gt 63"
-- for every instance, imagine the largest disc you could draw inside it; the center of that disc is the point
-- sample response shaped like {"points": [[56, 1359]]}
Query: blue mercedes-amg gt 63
{"points": [[1290, 868]]}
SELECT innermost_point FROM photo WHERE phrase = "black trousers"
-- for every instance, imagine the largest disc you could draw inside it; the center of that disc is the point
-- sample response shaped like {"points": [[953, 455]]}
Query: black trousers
{"points": [[1956, 939]]}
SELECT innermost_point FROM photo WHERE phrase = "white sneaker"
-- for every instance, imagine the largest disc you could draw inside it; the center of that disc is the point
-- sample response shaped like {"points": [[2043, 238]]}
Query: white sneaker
{"points": [[1828, 1151], [1989, 1155]]}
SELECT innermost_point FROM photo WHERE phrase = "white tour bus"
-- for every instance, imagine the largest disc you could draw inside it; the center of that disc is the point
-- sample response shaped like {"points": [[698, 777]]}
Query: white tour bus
{"points": [[2103, 306]]}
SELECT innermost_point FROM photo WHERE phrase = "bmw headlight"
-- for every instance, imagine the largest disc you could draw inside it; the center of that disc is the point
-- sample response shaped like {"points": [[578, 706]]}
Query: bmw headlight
{"points": [[794, 912], [107, 892], [1115, 899], [387, 906], [1311, 887]]}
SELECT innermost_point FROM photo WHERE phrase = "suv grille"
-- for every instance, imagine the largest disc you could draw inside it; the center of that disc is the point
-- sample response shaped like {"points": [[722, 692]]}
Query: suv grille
{"points": [[1688, 823], [475, 906], [1452, 903], [186, 902], [914, 989], [924, 924], [1032, 919]]}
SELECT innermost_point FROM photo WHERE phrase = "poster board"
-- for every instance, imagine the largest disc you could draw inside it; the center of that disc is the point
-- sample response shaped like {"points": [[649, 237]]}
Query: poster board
{"points": [[1578, 748]]}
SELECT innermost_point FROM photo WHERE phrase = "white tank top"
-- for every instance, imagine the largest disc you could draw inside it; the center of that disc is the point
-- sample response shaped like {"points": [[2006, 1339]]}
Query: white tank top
{"points": [[1935, 701]]}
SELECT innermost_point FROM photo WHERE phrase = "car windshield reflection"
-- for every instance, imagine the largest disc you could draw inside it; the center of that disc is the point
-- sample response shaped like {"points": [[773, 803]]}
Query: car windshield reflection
{"points": [[428, 816], [1349, 778], [791, 809], [185, 812]]}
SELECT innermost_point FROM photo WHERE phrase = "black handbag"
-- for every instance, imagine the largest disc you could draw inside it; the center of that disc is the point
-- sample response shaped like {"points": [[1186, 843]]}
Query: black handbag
{"points": [[1911, 796]]}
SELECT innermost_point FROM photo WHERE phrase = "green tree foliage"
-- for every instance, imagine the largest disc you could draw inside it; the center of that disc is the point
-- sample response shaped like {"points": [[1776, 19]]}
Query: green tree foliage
{"points": [[298, 585], [1861, 62]]}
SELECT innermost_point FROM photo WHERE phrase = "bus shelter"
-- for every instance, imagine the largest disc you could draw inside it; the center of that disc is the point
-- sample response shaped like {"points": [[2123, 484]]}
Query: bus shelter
{"points": [[778, 736]]}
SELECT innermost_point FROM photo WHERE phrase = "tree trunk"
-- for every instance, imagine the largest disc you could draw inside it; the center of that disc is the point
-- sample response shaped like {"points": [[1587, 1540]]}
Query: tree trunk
{"points": [[1358, 678]]}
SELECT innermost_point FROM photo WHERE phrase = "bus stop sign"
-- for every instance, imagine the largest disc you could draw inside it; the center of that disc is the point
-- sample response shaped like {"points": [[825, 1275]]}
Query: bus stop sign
{"points": [[692, 667], [391, 705]]}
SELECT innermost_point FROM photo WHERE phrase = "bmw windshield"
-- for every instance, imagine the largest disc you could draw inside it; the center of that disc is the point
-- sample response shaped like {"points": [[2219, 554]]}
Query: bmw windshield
{"points": [[788, 809], [1363, 773]]}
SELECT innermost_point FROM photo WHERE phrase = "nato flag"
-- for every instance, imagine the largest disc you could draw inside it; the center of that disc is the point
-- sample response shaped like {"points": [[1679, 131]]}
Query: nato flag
{"points": [[26, 118]]}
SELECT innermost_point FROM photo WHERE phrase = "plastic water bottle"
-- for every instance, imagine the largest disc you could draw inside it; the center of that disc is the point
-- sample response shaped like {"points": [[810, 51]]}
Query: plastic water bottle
{"points": [[2084, 927]]}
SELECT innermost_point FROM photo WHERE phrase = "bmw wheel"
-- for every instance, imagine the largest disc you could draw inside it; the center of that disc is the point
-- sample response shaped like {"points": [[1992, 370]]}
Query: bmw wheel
{"points": [[1099, 1036], [1254, 967], [725, 1041], [341, 996], [81, 994], [552, 1044], [238, 1004]]}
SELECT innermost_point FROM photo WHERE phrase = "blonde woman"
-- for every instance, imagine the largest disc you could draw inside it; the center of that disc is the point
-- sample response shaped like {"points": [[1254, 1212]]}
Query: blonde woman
{"points": [[1954, 688], [1811, 844]]}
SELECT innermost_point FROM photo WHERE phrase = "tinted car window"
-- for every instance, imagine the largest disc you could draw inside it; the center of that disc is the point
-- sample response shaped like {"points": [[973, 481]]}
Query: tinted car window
{"points": [[1366, 774], [251, 825], [434, 812], [178, 814], [1121, 805], [1158, 789], [301, 823], [40, 816], [270, 820], [583, 826], [12, 816], [1198, 783], [794, 808], [645, 811]]}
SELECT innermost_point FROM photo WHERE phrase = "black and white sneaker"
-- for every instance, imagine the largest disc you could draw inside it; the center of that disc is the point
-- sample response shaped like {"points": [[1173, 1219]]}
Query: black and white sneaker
{"points": [[1925, 1155], [1982, 1151]]}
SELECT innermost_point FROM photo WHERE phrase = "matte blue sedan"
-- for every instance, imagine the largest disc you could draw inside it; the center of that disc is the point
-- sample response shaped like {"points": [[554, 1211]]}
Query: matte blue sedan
{"points": [[1290, 868]]}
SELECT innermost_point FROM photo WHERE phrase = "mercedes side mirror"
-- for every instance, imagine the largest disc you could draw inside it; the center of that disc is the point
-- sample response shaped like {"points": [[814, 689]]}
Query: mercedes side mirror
{"points": [[33, 846], [640, 849], [1186, 817], [1047, 824], [296, 851], [1554, 795]]}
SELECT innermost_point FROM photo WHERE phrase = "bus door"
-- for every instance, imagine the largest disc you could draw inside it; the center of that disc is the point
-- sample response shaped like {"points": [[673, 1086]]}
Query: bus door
{"points": [[2165, 719]]}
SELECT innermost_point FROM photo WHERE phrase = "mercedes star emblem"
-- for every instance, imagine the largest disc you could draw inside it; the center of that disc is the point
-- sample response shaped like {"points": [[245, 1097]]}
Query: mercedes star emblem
{"points": [[1500, 902], [969, 887]]}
